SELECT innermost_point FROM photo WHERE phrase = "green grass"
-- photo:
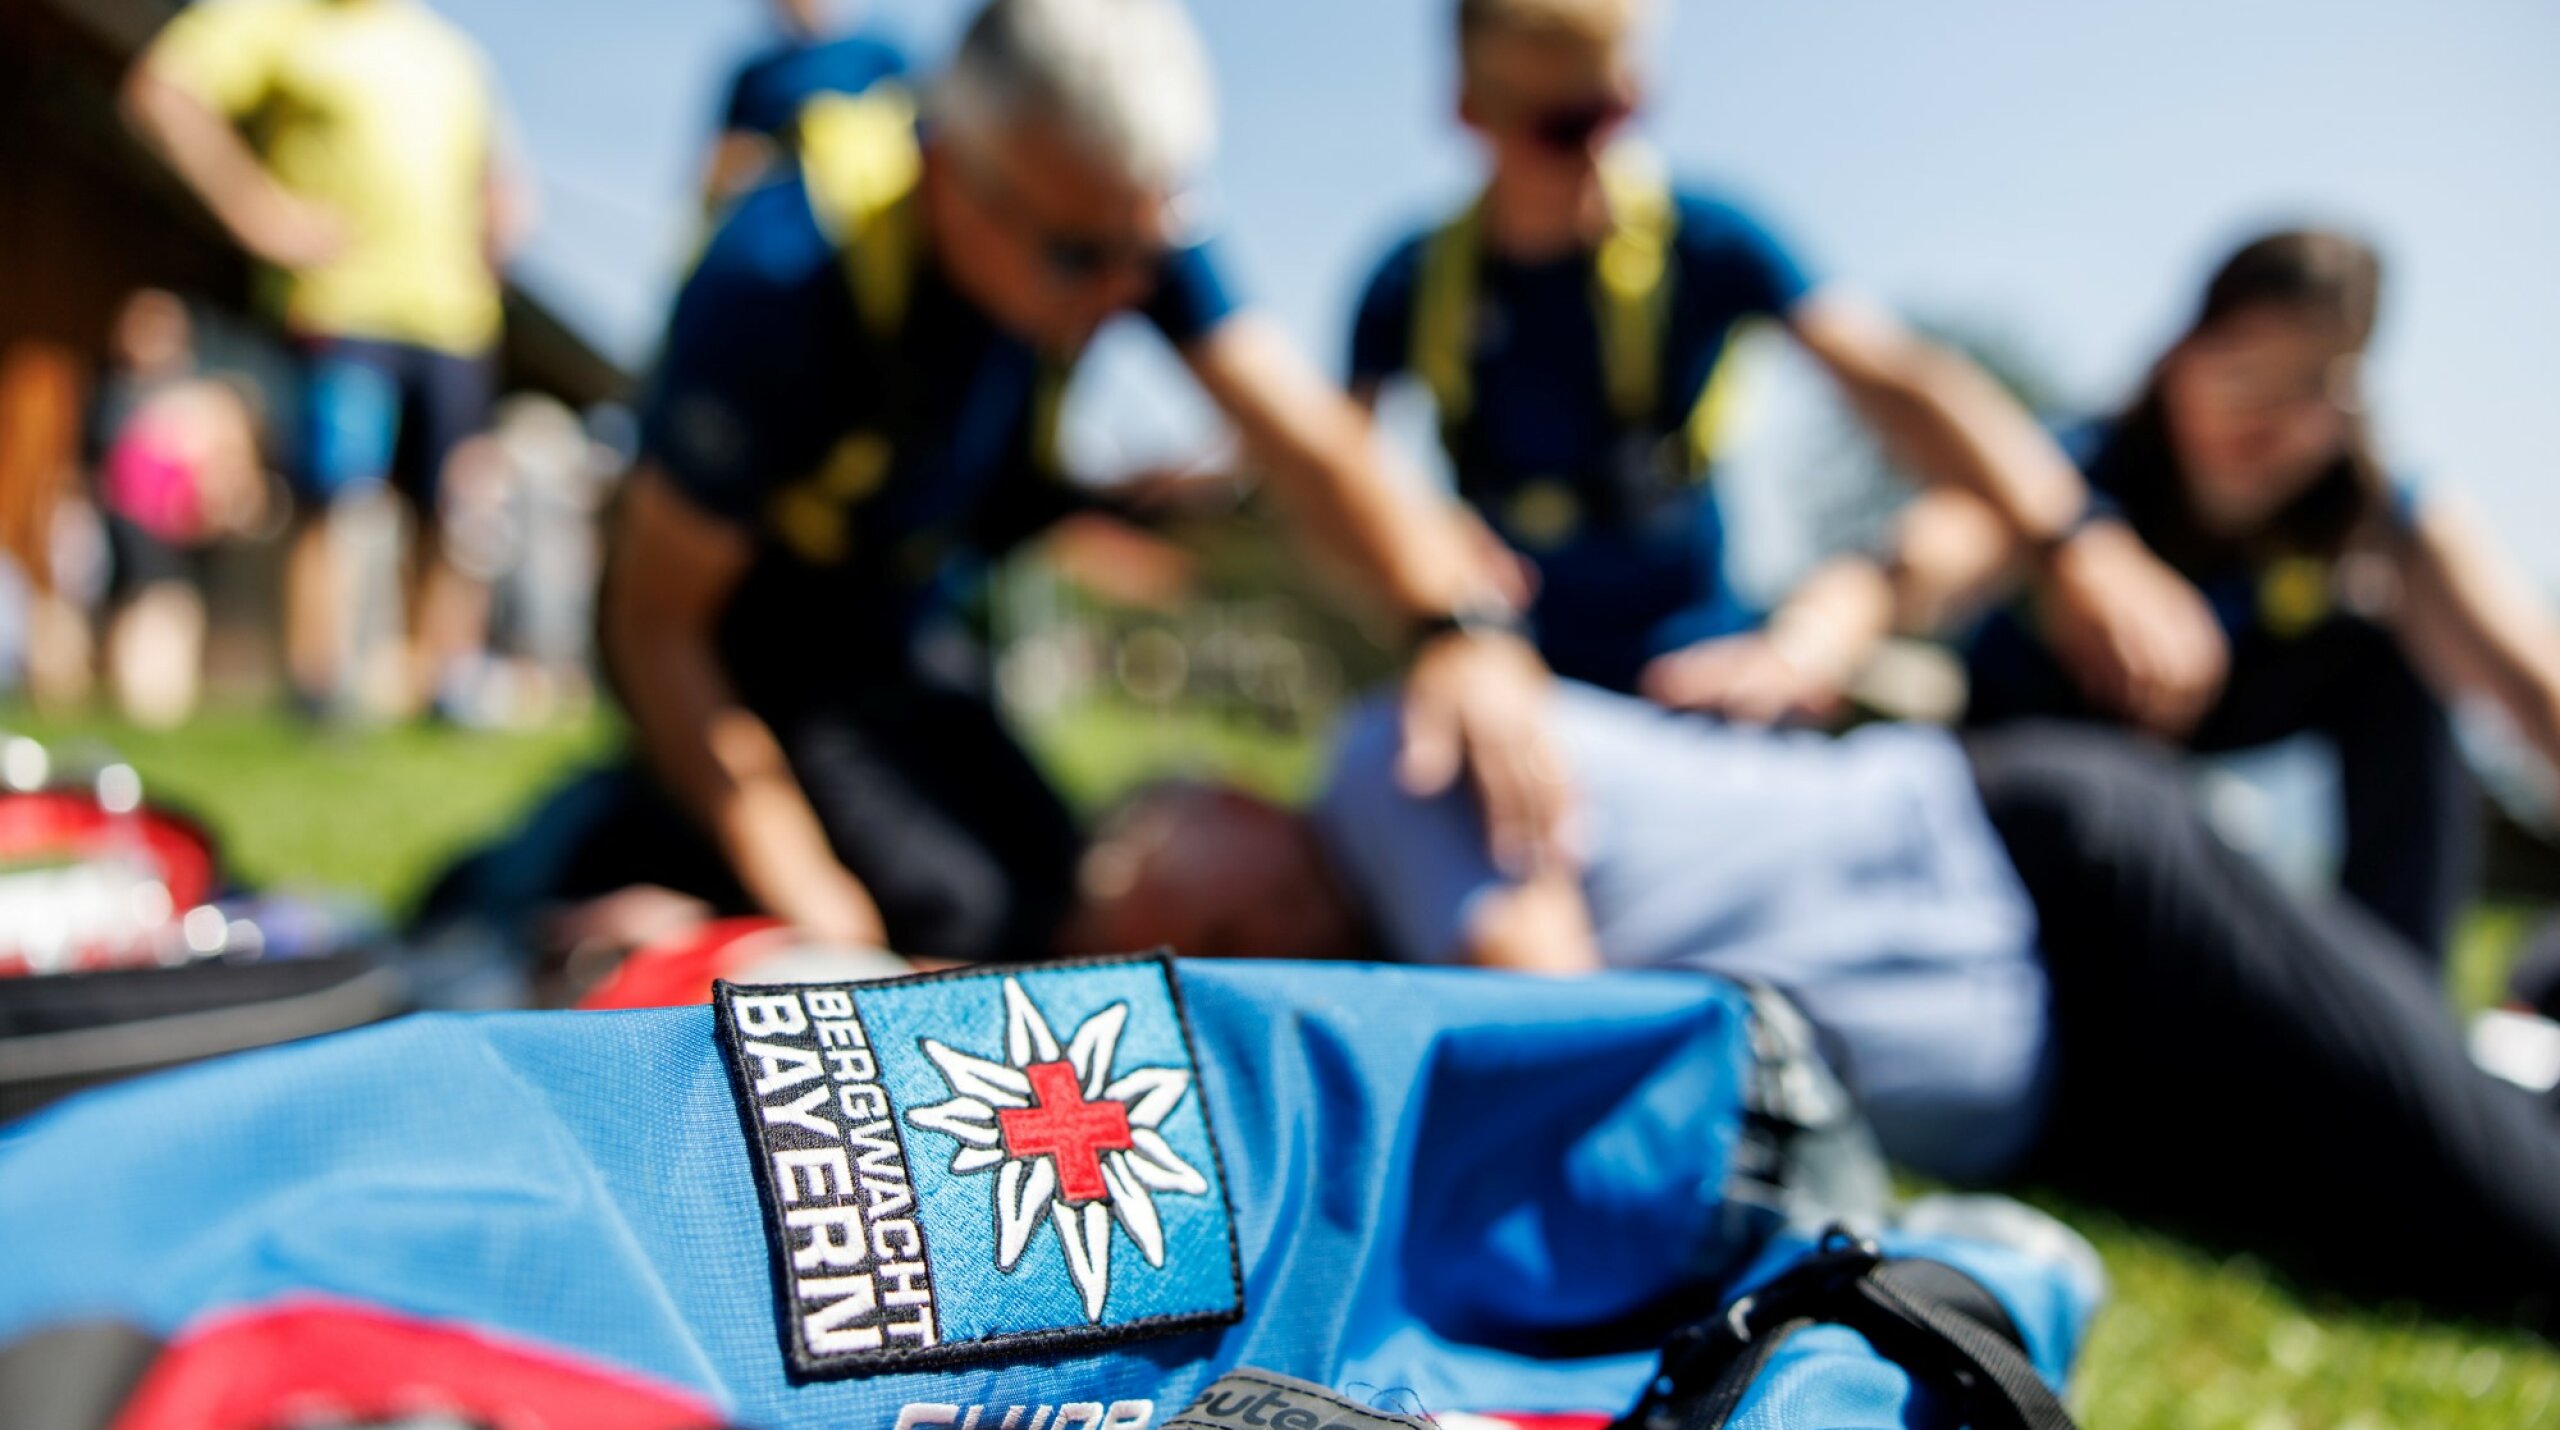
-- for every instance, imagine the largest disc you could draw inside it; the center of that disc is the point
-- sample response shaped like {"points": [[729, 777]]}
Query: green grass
{"points": [[375, 812], [2190, 1340]]}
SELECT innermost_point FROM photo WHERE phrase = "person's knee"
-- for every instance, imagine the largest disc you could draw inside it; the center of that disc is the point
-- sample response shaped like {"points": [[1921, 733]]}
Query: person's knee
{"points": [[2073, 783]]}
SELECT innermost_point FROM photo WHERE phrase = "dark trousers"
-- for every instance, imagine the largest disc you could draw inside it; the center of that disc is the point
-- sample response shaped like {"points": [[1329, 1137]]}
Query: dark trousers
{"points": [[2411, 815], [2253, 1067], [923, 793]]}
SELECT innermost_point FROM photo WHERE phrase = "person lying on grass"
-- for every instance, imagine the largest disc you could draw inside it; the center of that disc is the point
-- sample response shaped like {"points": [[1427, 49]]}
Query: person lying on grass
{"points": [[2023, 950]]}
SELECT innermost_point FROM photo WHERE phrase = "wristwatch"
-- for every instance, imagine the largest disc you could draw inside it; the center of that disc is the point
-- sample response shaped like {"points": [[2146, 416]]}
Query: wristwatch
{"points": [[1474, 618], [2041, 550]]}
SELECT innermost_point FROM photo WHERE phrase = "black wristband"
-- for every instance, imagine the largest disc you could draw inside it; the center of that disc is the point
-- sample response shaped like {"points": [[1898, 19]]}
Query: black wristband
{"points": [[2041, 550], [1472, 618]]}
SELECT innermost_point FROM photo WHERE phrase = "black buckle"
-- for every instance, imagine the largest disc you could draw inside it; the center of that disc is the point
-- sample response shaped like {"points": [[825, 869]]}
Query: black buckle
{"points": [[1700, 1353]]}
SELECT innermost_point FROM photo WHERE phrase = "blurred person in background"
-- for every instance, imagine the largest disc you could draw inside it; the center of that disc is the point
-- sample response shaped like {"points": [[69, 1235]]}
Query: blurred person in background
{"points": [[175, 457], [2355, 605], [1573, 327], [856, 406], [814, 54], [523, 525], [355, 146], [47, 532]]}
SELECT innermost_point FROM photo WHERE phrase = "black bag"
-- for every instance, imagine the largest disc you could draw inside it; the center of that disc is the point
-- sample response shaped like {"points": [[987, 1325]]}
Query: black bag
{"points": [[62, 1033]]}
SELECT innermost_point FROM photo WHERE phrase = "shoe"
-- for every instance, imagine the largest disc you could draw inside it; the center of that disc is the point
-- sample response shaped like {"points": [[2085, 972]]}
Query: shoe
{"points": [[2521, 1047], [2534, 983]]}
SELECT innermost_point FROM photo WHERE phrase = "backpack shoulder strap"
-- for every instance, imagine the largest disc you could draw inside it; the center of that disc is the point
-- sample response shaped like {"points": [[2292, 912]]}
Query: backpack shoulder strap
{"points": [[1630, 294], [1940, 1325], [1444, 314], [1717, 416], [861, 163], [1632, 281]]}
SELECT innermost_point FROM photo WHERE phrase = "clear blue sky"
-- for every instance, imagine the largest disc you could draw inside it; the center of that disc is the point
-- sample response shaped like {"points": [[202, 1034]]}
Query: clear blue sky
{"points": [[2060, 172]]}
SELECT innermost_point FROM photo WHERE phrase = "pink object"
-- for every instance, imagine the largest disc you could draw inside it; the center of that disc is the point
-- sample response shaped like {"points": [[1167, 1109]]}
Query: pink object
{"points": [[154, 476]]}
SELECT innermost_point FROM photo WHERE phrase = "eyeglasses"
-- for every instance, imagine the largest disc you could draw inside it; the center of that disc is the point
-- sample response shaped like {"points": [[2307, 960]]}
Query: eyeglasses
{"points": [[2335, 391], [1069, 259], [1570, 129]]}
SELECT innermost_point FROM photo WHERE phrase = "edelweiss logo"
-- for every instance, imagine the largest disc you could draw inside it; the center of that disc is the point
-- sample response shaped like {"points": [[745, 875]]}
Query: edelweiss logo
{"points": [[884, 1255], [1071, 1143]]}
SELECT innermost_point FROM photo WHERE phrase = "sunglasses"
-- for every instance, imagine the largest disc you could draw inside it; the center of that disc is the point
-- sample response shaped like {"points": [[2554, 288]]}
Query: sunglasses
{"points": [[1570, 129], [2337, 390], [1068, 258]]}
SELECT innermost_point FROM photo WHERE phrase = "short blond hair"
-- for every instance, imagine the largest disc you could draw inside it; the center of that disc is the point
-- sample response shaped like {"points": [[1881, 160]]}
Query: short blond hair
{"points": [[1127, 80], [1597, 22]]}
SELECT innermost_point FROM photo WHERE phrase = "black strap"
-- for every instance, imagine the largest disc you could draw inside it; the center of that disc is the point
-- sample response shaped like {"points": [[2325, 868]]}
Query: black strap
{"points": [[1941, 1326]]}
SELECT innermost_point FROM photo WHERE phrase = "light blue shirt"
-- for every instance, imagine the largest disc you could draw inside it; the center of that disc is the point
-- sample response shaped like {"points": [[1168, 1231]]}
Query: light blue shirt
{"points": [[1857, 874]]}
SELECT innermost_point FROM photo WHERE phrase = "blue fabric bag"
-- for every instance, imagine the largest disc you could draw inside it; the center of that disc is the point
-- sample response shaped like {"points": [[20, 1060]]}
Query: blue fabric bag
{"points": [[1062, 1197]]}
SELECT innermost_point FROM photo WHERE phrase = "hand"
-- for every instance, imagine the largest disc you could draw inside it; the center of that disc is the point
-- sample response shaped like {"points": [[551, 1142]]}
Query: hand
{"points": [[1175, 493], [1505, 572], [1477, 701], [627, 918], [2139, 639], [1757, 678], [1122, 563], [836, 912], [290, 231]]}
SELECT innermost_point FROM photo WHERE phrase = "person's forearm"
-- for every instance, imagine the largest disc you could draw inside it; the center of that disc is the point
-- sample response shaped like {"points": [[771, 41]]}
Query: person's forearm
{"points": [[512, 211], [1411, 560], [1542, 926], [2474, 619], [738, 159], [727, 770], [1952, 556], [1335, 475], [1948, 422], [1834, 620], [201, 147]]}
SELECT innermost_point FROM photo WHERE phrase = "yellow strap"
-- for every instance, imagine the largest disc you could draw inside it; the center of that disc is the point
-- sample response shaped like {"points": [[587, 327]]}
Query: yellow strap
{"points": [[859, 155], [1716, 417], [1630, 295], [1444, 315], [1632, 282], [2295, 595], [861, 165], [1048, 399]]}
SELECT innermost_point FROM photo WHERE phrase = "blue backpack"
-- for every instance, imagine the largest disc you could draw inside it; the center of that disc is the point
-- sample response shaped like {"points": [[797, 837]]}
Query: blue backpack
{"points": [[1110, 1195]]}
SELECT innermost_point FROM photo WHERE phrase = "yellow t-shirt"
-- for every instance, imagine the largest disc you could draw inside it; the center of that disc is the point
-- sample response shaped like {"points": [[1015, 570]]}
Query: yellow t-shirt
{"points": [[381, 111]]}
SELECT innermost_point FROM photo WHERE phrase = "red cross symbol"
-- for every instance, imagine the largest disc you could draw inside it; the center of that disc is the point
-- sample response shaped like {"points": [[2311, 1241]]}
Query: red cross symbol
{"points": [[1066, 1127]]}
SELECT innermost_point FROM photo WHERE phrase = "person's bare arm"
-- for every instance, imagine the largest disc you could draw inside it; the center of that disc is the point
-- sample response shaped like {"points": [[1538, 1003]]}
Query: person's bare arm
{"points": [[1325, 458], [201, 146], [1797, 667], [739, 158], [1501, 572], [1939, 414], [2472, 621], [1540, 926], [2138, 637], [673, 569], [510, 203], [1472, 698], [1952, 558]]}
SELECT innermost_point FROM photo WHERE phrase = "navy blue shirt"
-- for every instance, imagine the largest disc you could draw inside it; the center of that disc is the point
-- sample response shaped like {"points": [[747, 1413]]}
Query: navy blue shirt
{"points": [[771, 88], [1628, 543], [874, 472], [2258, 592]]}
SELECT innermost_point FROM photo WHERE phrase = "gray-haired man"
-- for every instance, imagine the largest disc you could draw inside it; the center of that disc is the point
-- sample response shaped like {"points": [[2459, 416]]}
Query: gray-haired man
{"points": [[858, 397]]}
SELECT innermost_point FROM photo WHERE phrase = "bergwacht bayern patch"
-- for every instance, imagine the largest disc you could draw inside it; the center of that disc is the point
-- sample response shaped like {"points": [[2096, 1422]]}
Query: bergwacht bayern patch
{"points": [[962, 1164]]}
